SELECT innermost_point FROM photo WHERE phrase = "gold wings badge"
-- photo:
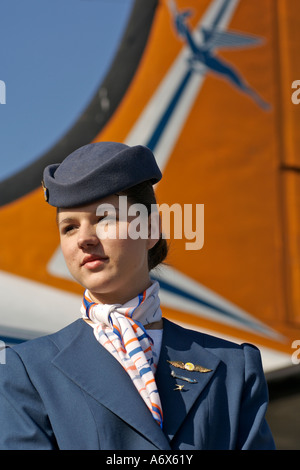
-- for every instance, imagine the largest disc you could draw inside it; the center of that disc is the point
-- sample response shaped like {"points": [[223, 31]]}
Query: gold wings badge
{"points": [[189, 366]]}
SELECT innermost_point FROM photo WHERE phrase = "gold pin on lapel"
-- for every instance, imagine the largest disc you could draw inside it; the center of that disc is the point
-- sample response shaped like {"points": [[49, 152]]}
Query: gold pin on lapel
{"points": [[179, 387], [180, 377], [189, 366]]}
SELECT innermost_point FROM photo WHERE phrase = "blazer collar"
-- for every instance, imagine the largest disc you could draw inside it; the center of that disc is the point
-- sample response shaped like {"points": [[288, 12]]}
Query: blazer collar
{"points": [[97, 372], [180, 346]]}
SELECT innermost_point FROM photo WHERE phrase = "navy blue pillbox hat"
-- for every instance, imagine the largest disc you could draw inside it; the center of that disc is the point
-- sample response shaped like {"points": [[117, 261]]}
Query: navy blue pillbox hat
{"points": [[98, 170]]}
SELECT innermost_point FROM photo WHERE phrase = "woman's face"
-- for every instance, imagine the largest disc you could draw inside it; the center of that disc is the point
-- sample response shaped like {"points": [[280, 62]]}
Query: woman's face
{"points": [[113, 269]]}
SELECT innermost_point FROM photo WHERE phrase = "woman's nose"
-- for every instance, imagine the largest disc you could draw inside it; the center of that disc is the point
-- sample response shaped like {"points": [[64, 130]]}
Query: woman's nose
{"points": [[87, 236]]}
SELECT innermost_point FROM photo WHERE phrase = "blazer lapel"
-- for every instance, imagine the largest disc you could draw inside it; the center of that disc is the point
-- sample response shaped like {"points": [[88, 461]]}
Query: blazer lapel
{"points": [[97, 372], [178, 347]]}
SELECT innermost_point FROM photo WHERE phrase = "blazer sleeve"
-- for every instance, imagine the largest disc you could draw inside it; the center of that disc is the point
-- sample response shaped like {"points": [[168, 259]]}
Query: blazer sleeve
{"points": [[254, 432], [24, 424]]}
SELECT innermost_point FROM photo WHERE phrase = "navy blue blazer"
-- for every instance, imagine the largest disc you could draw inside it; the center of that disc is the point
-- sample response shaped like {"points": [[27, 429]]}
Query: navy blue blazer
{"points": [[65, 391]]}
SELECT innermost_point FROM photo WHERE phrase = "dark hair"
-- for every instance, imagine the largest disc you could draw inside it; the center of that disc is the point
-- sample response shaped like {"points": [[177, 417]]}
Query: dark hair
{"points": [[143, 193]]}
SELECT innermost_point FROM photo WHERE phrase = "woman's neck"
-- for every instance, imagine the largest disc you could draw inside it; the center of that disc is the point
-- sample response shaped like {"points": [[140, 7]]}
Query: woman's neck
{"points": [[119, 297]]}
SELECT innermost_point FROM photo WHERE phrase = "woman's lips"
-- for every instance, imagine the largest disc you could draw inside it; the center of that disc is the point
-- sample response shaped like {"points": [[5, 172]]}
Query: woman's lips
{"points": [[93, 261]]}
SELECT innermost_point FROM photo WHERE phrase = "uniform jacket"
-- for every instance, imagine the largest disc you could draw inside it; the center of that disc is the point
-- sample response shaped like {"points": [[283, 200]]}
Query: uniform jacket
{"points": [[65, 391]]}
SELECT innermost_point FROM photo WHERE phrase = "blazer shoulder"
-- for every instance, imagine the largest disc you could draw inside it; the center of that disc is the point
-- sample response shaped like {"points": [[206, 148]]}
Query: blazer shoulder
{"points": [[49, 345], [227, 351], [203, 339]]}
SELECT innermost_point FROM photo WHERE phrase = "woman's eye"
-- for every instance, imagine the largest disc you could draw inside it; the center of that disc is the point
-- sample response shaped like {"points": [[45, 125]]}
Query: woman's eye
{"points": [[68, 229]]}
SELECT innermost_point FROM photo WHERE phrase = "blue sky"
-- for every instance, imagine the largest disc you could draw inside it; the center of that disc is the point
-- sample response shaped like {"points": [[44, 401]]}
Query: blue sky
{"points": [[53, 56]]}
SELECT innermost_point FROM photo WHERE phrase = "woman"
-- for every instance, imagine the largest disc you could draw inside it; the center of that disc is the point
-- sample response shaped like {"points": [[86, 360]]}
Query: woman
{"points": [[121, 377]]}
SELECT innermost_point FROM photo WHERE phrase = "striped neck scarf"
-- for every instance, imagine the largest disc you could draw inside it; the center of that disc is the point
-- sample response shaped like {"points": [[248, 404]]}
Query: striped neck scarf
{"points": [[120, 329]]}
